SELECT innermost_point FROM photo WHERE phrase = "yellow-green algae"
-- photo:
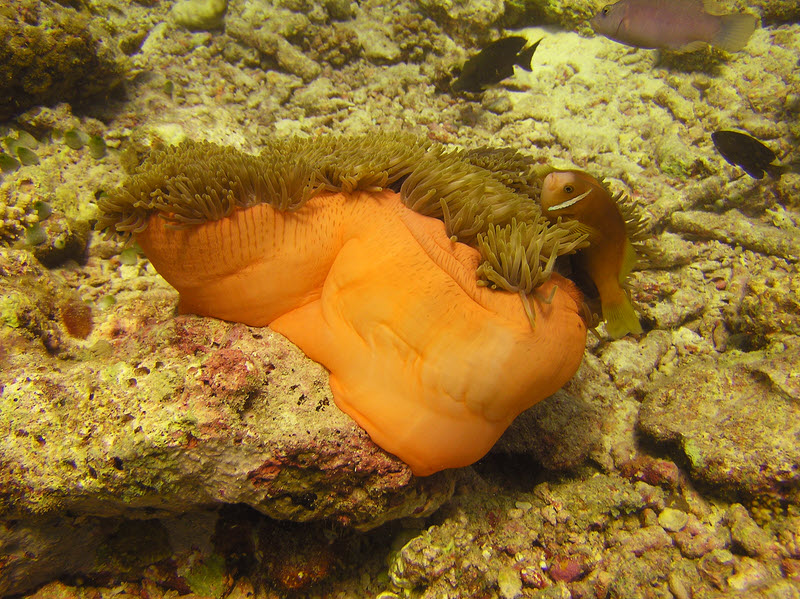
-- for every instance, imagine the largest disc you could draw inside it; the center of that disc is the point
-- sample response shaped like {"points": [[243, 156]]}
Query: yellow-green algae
{"points": [[51, 54], [487, 198], [17, 213]]}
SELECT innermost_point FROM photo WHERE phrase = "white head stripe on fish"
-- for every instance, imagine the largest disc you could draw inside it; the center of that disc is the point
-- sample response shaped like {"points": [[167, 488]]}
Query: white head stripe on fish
{"points": [[569, 203]]}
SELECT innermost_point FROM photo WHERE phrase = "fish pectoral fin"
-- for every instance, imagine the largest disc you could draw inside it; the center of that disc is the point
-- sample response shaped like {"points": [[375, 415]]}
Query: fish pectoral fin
{"points": [[588, 230], [691, 47]]}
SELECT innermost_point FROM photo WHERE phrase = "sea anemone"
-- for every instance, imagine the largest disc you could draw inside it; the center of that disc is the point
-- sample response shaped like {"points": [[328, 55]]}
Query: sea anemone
{"points": [[420, 277]]}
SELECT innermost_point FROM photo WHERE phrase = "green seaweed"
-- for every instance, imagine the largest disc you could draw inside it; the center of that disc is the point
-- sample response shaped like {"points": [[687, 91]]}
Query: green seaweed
{"points": [[43, 210], [129, 256], [27, 156], [97, 147], [106, 301], [26, 139], [8, 164], [207, 577], [74, 139], [35, 235]]}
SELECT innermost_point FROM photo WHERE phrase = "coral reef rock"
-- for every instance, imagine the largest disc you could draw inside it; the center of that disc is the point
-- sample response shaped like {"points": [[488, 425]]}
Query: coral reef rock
{"points": [[155, 416], [744, 437], [52, 54]]}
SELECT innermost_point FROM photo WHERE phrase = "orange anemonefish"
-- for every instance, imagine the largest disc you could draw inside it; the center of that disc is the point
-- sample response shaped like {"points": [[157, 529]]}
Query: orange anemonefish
{"points": [[610, 257]]}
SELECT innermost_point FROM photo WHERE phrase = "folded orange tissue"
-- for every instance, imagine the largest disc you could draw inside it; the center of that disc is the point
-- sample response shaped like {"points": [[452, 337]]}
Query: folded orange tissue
{"points": [[433, 362]]}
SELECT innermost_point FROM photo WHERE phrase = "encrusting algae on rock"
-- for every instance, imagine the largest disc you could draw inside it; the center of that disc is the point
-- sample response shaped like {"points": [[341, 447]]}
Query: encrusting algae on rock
{"points": [[17, 213], [422, 281]]}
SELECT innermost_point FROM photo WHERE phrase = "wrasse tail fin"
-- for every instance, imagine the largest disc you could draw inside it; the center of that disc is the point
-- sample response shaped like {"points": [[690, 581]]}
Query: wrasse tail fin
{"points": [[735, 31], [621, 319]]}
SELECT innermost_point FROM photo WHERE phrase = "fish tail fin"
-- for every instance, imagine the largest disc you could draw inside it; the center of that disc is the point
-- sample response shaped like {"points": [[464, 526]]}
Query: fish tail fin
{"points": [[621, 318], [735, 31], [777, 170], [793, 167], [524, 57]]}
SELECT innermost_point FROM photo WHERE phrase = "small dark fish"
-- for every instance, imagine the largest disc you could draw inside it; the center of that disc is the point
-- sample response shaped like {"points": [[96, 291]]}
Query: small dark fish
{"points": [[494, 63], [682, 25], [750, 155]]}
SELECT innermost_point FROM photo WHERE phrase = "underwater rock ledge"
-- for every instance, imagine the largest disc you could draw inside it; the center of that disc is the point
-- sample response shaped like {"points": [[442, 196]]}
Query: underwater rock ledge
{"points": [[160, 415], [744, 438], [154, 418]]}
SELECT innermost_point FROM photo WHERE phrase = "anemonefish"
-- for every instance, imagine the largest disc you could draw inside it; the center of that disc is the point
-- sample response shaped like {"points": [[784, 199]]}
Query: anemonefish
{"points": [[610, 257]]}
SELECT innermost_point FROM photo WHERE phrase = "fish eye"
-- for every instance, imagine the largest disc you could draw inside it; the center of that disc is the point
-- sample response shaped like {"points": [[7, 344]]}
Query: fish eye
{"points": [[568, 189]]}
